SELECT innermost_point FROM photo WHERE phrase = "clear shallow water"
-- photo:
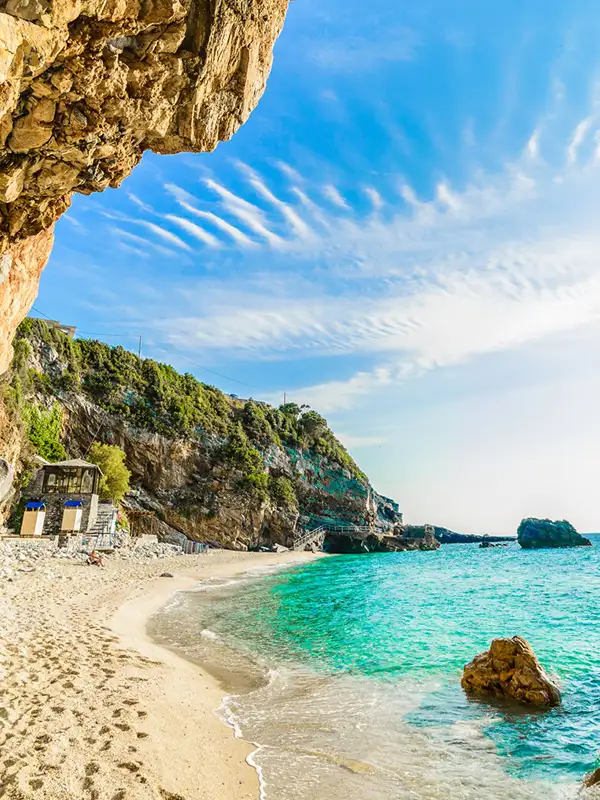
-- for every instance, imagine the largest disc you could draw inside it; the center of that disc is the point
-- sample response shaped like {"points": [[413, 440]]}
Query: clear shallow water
{"points": [[353, 665]]}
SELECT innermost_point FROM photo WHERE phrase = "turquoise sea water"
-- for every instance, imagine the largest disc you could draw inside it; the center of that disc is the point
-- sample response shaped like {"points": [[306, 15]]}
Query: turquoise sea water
{"points": [[362, 655]]}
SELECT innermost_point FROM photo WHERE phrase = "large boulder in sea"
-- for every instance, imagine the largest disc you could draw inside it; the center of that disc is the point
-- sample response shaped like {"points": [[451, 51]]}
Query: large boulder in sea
{"points": [[510, 669], [539, 533]]}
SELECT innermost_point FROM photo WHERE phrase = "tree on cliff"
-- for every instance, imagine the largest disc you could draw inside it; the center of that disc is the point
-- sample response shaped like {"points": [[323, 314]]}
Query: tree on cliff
{"points": [[115, 475]]}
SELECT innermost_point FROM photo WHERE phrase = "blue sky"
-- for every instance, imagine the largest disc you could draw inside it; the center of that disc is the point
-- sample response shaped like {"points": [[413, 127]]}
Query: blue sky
{"points": [[406, 235]]}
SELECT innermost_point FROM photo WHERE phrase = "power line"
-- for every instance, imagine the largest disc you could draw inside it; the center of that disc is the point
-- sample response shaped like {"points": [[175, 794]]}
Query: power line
{"points": [[112, 335], [213, 372], [42, 313]]}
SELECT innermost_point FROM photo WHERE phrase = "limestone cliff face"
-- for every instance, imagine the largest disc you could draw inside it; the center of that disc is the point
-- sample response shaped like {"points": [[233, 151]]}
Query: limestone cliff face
{"points": [[193, 493], [86, 86], [20, 270]]}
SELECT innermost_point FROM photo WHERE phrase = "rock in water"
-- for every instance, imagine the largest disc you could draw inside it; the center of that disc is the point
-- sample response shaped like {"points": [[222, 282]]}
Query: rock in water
{"points": [[592, 778], [539, 533], [510, 669], [429, 541]]}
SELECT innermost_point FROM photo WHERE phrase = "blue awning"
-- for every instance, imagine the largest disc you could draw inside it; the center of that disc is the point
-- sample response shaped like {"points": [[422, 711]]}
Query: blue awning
{"points": [[73, 504], [34, 504]]}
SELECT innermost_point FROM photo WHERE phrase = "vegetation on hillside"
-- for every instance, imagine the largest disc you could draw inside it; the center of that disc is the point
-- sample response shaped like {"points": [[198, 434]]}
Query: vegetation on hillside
{"points": [[155, 397], [42, 426], [114, 483]]}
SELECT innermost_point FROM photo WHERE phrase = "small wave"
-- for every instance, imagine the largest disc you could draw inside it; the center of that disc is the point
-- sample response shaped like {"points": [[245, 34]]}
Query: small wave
{"points": [[214, 583], [209, 634]]}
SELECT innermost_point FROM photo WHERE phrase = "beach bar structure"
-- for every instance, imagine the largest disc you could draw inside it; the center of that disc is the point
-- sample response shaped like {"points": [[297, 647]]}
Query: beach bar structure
{"points": [[69, 491]]}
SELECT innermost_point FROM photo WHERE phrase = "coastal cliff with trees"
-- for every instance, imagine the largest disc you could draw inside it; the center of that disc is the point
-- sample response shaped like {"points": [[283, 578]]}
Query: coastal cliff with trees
{"points": [[210, 466]]}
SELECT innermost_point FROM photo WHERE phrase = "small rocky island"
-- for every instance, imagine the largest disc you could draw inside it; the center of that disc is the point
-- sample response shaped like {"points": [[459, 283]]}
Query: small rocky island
{"points": [[534, 534], [511, 670]]}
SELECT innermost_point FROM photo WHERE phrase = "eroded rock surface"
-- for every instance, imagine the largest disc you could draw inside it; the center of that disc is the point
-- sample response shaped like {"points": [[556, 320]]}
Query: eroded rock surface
{"points": [[20, 268], [86, 86], [535, 534], [510, 669]]}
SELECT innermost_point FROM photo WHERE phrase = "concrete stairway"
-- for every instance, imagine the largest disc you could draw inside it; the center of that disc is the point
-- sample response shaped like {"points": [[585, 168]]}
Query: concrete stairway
{"points": [[102, 535], [316, 536]]}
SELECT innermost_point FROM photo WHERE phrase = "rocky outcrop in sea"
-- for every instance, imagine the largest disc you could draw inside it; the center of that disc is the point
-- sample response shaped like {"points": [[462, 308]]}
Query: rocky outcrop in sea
{"points": [[510, 669], [535, 534], [446, 536]]}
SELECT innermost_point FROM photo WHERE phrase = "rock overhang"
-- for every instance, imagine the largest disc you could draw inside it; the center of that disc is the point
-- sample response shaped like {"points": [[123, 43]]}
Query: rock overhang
{"points": [[86, 86]]}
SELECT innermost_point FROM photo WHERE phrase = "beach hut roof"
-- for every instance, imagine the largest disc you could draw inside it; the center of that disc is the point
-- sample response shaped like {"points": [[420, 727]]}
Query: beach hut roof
{"points": [[77, 463]]}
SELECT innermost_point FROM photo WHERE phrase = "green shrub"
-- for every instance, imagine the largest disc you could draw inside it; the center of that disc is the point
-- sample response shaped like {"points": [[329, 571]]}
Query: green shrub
{"points": [[239, 454], [114, 483], [282, 493]]}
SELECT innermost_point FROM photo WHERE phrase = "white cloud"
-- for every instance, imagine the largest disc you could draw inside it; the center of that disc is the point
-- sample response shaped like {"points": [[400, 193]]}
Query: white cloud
{"points": [[74, 222], [533, 145], [374, 197], [297, 224], [135, 250], [499, 263], [194, 230], [247, 213], [339, 395], [186, 201], [140, 242], [578, 138], [446, 197], [289, 172], [140, 203], [332, 194], [164, 234]]}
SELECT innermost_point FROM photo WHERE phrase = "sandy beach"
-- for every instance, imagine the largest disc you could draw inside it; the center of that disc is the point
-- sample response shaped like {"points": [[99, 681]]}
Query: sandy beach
{"points": [[91, 708]]}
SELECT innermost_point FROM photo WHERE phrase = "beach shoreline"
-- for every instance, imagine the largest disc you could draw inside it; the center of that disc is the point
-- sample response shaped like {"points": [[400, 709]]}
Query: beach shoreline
{"points": [[92, 708]]}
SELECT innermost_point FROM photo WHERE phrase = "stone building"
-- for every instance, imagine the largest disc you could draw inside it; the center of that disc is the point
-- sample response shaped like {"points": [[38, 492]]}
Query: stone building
{"points": [[67, 488]]}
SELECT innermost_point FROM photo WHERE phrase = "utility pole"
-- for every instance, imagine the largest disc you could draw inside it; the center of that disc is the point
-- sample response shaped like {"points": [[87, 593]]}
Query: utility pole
{"points": [[140, 347], [284, 398]]}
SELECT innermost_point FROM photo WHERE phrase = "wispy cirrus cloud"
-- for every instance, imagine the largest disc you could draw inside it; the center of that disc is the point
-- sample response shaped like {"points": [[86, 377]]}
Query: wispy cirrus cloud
{"points": [[188, 203], [141, 245], [331, 193], [422, 284], [248, 214], [578, 138], [164, 234], [194, 230]]}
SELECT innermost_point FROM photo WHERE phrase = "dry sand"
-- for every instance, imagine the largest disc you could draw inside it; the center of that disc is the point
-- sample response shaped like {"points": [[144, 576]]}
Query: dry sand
{"points": [[91, 709]]}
